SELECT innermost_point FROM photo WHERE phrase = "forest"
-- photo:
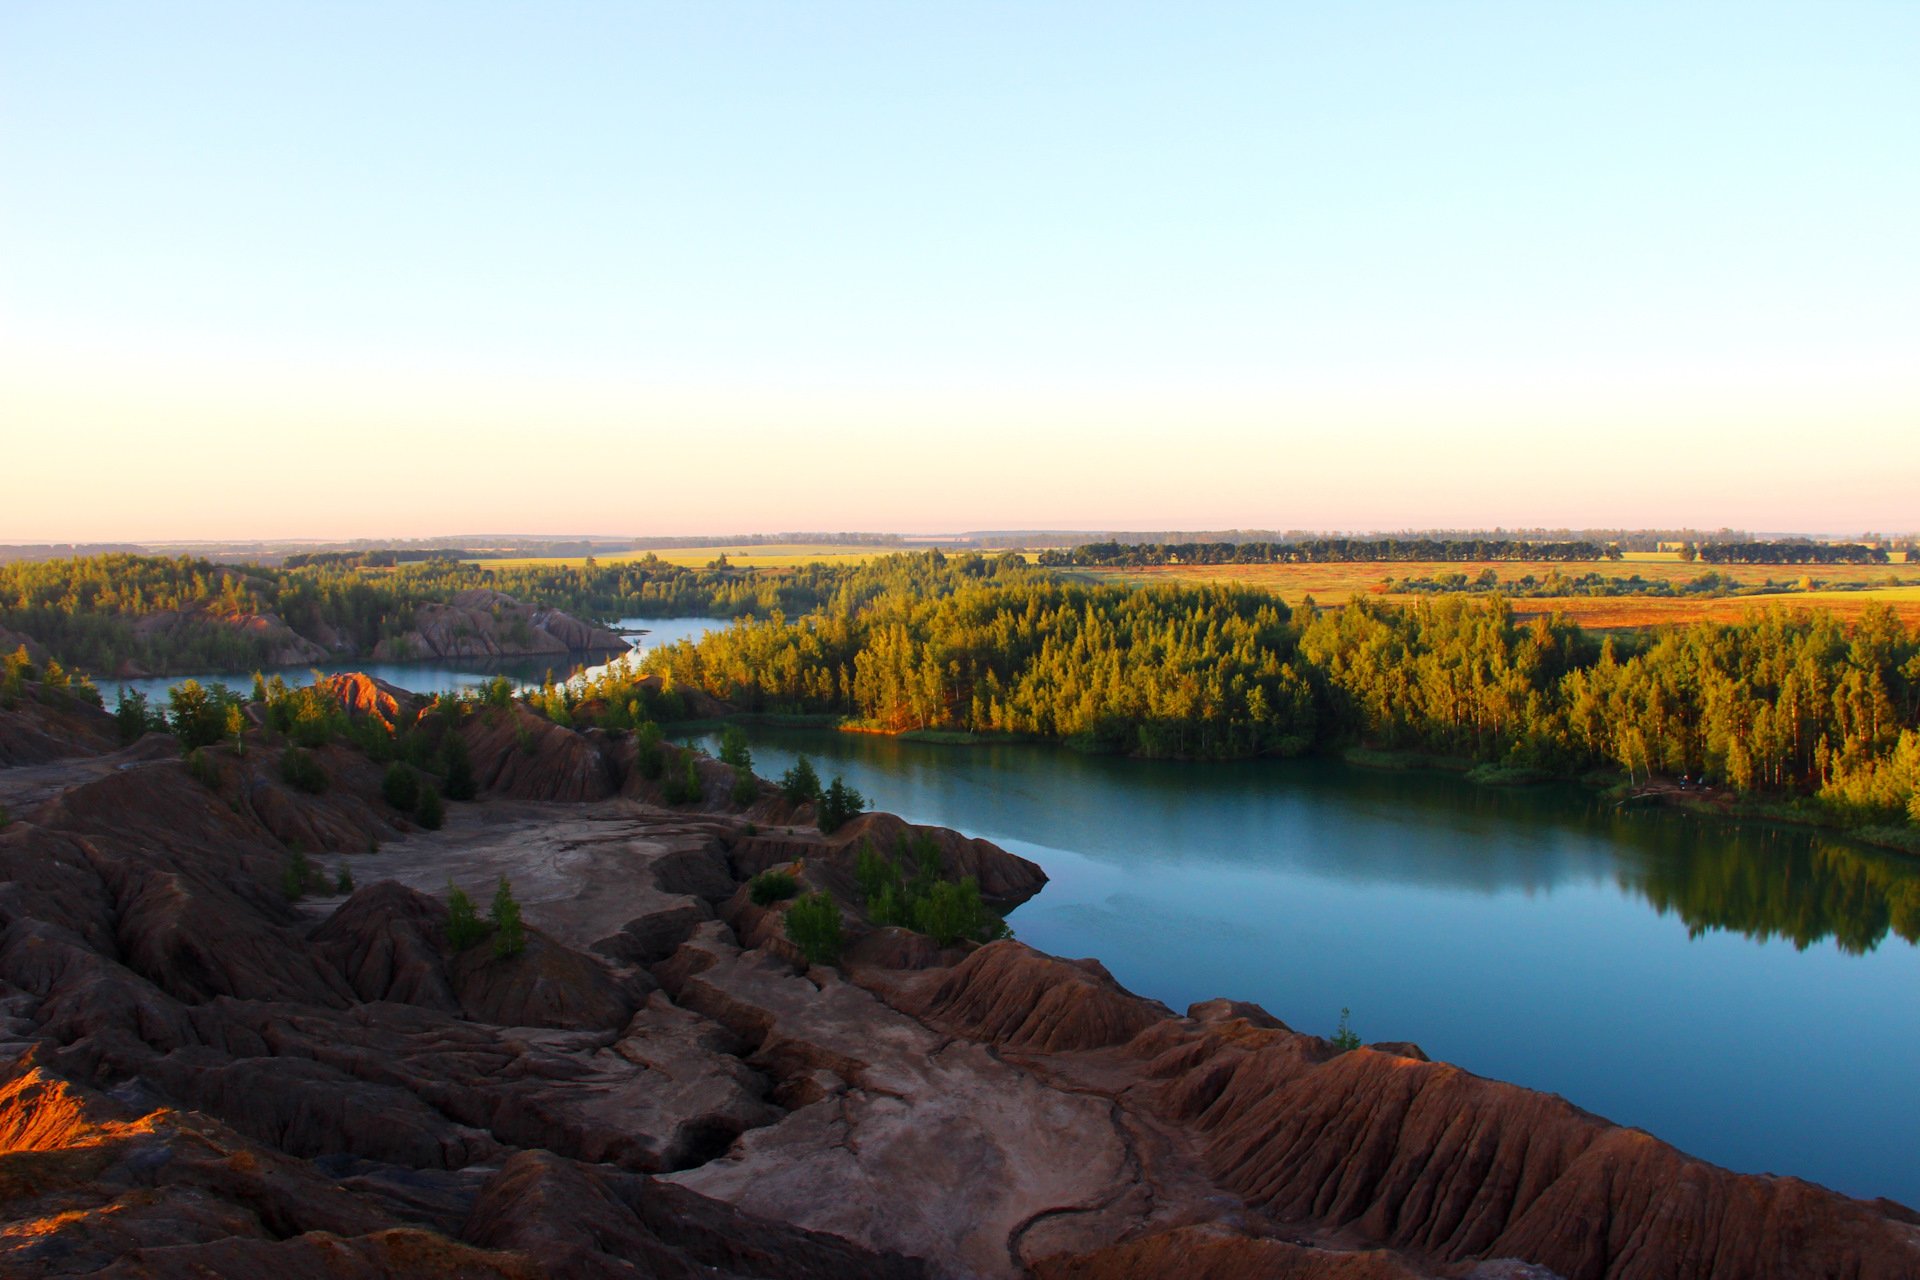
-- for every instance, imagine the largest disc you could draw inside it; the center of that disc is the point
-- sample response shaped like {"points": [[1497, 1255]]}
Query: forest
{"points": [[1785, 704], [1323, 551], [162, 613]]}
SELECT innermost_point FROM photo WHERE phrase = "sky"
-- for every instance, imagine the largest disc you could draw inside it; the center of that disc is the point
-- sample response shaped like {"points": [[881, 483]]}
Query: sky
{"points": [[400, 269]]}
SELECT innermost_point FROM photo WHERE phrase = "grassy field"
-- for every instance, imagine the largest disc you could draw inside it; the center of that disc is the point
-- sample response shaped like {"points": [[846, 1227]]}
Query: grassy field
{"points": [[1338, 583], [771, 555]]}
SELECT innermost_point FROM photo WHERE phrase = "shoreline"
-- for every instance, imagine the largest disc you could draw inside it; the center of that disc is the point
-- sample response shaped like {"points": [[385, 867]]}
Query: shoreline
{"points": [[1715, 803]]}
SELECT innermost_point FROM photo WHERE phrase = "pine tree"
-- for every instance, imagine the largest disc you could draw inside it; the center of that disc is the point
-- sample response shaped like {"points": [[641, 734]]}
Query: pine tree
{"points": [[509, 936], [463, 923]]}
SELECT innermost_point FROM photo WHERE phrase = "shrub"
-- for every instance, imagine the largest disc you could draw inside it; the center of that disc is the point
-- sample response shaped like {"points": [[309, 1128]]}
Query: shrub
{"points": [[6, 819], [524, 739], [299, 770], [343, 883], [199, 716], [133, 717], [509, 936], [648, 757], [733, 748], [401, 787], [946, 910], [770, 887], [953, 910], [871, 870], [746, 788], [497, 693], [685, 788], [311, 716], [16, 669], [813, 925], [463, 922], [839, 805], [299, 875], [203, 769], [373, 739], [800, 784], [430, 812], [460, 784]]}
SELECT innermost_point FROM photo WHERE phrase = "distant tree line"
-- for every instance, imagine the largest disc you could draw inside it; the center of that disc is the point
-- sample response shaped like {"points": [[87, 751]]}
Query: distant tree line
{"points": [[1322, 551], [1791, 552], [98, 612], [1554, 583]]}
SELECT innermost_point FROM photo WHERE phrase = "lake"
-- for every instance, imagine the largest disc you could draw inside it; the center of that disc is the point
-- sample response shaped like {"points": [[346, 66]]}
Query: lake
{"points": [[1735, 989]]}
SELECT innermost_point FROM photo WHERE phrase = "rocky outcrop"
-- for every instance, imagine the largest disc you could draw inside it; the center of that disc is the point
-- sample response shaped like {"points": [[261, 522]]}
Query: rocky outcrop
{"points": [[362, 695], [1010, 995], [1426, 1157], [487, 624], [519, 753]]}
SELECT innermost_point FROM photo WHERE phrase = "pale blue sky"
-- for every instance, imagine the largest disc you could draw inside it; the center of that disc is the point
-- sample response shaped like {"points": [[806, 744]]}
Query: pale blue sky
{"points": [[773, 266]]}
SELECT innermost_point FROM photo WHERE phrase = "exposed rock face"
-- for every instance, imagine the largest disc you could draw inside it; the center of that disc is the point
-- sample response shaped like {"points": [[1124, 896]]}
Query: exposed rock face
{"points": [[199, 1077], [1016, 997], [518, 753], [362, 695], [1004, 878], [48, 725], [488, 624]]}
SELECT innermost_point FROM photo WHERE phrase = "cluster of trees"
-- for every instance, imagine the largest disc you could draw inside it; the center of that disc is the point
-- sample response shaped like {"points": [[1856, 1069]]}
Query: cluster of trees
{"points": [[17, 670], [428, 762], [909, 890], [1789, 552], [906, 890], [464, 928], [1323, 551], [1784, 703], [1555, 583], [1163, 671]]}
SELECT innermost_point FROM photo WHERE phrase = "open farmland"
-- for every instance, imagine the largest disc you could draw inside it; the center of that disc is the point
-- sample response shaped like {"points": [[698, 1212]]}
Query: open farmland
{"points": [[1336, 583], [770, 555]]}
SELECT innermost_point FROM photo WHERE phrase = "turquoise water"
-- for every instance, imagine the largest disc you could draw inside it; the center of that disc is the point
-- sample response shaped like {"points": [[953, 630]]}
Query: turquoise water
{"points": [[1735, 989]]}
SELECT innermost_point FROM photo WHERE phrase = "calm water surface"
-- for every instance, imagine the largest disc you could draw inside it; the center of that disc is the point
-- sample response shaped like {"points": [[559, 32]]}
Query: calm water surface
{"points": [[1737, 990]]}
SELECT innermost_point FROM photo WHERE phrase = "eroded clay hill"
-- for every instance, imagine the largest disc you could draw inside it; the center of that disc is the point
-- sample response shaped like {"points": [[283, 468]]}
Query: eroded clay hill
{"points": [[200, 1077]]}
